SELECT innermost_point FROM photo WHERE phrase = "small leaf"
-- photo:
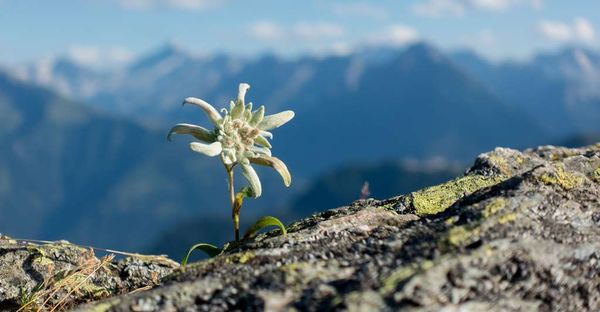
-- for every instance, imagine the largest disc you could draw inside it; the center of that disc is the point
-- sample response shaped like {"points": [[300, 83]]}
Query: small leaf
{"points": [[210, 250], [263, 223], [239, 198]]}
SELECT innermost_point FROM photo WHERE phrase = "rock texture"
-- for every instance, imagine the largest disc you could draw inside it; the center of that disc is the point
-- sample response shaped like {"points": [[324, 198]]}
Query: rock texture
{"points": [[519, 231], [59, 275]]}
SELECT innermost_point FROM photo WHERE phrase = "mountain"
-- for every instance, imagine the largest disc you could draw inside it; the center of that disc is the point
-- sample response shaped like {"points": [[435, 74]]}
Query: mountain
{"points": [[65, 76], [559, 90], [370, 105], [71, 172]]}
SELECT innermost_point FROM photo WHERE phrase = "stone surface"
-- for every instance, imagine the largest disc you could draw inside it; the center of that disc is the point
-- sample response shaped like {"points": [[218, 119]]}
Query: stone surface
{"points": [[59, 275], [520, 231]]}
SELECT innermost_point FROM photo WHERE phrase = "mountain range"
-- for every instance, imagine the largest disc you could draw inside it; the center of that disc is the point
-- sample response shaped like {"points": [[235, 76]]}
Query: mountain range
{"points": [[84, 155], [379, 103]]}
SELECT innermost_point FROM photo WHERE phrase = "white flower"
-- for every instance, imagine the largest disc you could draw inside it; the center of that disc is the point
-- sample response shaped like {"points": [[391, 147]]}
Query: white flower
{"points": [[239, 137]]}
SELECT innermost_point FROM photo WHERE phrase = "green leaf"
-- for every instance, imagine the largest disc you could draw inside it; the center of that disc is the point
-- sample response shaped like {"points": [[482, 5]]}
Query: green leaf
{"points": [[210, 250], [263, 223]]}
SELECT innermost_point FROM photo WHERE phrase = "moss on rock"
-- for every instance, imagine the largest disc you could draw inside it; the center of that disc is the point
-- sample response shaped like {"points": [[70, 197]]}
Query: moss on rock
{"points": [[559, 176], [438, 198]]}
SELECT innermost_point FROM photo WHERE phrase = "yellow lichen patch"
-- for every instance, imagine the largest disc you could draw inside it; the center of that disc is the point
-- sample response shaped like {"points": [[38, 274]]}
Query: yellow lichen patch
{"points": [[596, 175], [493, 207], [237, 258], [519, 160], [438, 198], [301, 273], [462, 235], [245, 257], [450, 221], [565, 179], [398, 276], [500, 163], [509, 217], [402, 274]]}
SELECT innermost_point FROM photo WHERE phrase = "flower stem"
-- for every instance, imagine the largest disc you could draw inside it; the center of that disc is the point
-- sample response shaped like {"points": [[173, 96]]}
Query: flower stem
{"points": [[235, 213]]}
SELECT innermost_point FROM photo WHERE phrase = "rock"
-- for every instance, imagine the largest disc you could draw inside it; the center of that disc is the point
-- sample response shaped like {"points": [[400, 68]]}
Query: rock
{"points": [[59, 275], [519, 231]]}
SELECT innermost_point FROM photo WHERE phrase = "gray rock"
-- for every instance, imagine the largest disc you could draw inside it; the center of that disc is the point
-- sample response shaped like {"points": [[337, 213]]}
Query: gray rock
{"points": [[520, 231], [59, 275]]}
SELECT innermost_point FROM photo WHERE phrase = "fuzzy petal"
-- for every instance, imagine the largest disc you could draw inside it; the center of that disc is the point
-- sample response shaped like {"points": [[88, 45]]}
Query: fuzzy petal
{"points": [[261, 150], [257, 116], [266, 134], [212, 113], [262, 141], [247, 115], [211, 150], [242, 92], [198, 132], [276, 120], [253, 180], [238, 110], [229, 157], [276, 164]]}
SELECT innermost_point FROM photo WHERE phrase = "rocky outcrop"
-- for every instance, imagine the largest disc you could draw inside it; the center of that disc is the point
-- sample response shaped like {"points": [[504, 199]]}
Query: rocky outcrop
{"points": [[518, 231], [59, 275]]}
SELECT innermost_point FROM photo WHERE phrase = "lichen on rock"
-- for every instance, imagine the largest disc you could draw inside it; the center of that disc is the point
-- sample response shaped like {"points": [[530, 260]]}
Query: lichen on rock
{"points": [[518, 232], [59, 275]]}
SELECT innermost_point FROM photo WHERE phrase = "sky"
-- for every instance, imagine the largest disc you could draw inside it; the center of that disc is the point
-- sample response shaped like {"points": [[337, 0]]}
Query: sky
{"points": [[103, 32]]}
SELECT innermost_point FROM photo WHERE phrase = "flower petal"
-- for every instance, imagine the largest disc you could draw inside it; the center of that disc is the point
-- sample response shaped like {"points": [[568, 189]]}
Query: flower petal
{"points": [[266, 134], [276, 164], [242, 92], [262, 141], [211, 150], [261, 150], [247, 115], [257, 116], [229, 157], [238, 109], [276, 120], [253, 180], [212, 113], [198, 132]]}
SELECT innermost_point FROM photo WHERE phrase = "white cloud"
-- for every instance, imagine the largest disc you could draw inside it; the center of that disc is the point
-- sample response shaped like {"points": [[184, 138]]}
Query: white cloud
{"points": [[555, 31], [584, 30], [439, 8], [580, 31], [481, 40], [395, 35], [315, 31], [94, 56], [265, 30], [455, 8], [359, 9], [177, 4], [305, 31]]}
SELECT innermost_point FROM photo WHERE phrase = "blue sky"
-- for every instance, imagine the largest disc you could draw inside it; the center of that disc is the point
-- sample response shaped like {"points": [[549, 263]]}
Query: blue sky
{"points": [[115, 31]]}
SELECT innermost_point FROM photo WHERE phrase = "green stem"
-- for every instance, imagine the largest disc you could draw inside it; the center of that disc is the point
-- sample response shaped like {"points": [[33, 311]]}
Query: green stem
{"points": [[235, 214]]}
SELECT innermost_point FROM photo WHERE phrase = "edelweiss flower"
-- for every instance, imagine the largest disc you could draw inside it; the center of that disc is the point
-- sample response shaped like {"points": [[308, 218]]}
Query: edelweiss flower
{"points": [[239, 137]]}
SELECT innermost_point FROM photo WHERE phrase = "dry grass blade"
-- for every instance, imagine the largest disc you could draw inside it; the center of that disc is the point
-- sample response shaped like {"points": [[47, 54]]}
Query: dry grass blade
{"points": [[69, 283]]}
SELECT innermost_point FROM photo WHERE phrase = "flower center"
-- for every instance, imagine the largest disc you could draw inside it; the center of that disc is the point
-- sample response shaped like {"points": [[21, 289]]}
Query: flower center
{"points": [[238, 135]]}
